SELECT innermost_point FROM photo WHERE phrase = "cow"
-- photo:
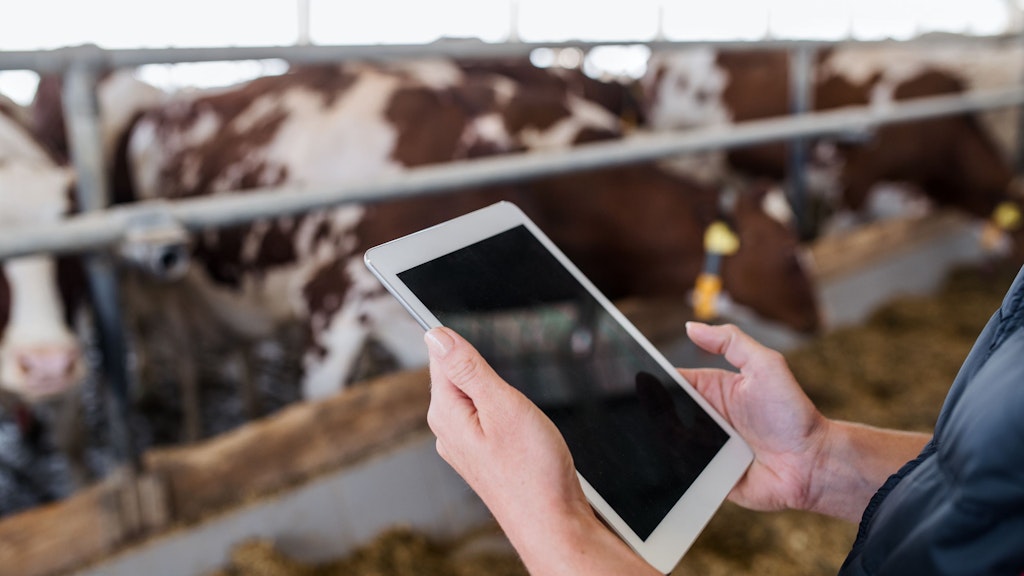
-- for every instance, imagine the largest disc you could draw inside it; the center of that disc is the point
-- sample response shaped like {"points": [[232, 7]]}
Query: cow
{"points": [[42, 361], [636, 230], [40, 356], [959, 161]]}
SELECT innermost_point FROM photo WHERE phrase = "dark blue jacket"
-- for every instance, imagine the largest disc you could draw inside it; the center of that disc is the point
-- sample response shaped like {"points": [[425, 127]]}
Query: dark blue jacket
{"points": [[958, 508]]}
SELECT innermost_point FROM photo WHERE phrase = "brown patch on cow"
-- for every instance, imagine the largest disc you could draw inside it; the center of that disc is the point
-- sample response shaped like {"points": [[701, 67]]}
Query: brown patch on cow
{"points": [[326, 289], [330, 81], [953, 158], [231, 148], [278, 246], [222, 258], [429, 123], [536, 107], [622, 100], [633, 230], [766, 273], [838, 92], [591, 134], [73, 285], [757, 87], [47, 118]]}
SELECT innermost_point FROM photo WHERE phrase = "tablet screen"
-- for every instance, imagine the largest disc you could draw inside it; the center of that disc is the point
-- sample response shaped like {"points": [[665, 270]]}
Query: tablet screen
{"points": [[634, 433]]}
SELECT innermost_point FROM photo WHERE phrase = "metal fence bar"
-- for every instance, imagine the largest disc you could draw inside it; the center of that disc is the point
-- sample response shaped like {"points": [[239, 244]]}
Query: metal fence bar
{"points": [[82, 118], [100, 229], [801, 83], [58, 60]]}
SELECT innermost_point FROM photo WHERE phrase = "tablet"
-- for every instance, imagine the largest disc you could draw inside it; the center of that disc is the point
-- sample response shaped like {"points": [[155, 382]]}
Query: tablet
{"points": [[653, 458]]}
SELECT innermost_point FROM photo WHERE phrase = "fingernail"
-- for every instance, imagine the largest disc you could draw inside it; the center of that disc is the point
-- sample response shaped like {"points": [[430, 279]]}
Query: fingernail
{"points": [[439, 342]]}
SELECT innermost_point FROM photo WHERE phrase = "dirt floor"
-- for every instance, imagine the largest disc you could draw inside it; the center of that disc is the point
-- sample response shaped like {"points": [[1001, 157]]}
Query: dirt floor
{"points": [[893, 371]]}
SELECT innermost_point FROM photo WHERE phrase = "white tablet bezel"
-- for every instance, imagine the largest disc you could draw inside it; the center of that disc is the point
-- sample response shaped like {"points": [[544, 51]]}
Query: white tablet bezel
{"points": [[676, 532]]}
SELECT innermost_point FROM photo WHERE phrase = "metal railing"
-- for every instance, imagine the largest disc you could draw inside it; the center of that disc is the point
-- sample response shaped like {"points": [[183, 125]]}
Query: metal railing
{"points": [[61, 59], [98, 229]]}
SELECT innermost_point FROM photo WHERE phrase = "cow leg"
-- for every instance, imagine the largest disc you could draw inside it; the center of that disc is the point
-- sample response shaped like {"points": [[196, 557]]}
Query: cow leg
{"points": [[334, 353]]}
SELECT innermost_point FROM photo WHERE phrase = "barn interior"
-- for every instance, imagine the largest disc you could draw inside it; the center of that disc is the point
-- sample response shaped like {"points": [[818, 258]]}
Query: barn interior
{"points": [[230, 393]]}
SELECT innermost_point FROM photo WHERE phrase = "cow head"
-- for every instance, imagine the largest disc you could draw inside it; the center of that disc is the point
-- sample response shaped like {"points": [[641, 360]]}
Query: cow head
{"points": [[39, 355], [769, 273], [684, 89]]}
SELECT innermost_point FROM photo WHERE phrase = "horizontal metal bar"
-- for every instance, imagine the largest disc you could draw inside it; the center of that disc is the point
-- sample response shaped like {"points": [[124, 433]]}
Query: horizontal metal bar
{"points": [[59, 59], [104, 228]]}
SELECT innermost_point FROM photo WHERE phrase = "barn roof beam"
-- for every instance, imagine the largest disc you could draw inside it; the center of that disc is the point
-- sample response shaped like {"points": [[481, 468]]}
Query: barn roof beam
{"points": [[60, 59], [105, 228]]}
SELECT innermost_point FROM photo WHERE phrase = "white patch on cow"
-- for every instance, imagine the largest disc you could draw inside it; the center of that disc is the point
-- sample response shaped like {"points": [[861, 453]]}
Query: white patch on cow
{"points": [[488, 128], [254, 240], [505, 89], [365, 311], [121, 97], [266, 301], [776, 206], [312, 139], [33, 193], [562, 134], [688, 93], [149, 150], [889, 200], [17, 144], [259, 111], [36, 329], [436, 73], [708, 168]]}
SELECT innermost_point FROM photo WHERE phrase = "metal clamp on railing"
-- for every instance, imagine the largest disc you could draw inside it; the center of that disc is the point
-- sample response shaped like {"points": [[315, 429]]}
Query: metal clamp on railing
{"points": [[155, 242]]}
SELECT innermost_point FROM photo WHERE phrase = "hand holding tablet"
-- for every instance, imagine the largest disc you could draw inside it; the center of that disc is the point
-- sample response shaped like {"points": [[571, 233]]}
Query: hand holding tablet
{"points": [[653, 458]]}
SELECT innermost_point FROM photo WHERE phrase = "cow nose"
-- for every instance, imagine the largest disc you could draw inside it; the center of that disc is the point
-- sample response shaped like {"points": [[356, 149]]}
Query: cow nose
{"points": [[49, 364]]}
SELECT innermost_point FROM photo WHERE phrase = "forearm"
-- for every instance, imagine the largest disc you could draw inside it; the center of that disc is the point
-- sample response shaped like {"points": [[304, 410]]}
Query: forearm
{"points": [[855, 461], [580, 544]]}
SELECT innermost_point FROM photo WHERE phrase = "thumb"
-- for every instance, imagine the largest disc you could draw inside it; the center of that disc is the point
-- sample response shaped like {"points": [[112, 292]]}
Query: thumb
{"points": [[738, 348], [455, 361]]}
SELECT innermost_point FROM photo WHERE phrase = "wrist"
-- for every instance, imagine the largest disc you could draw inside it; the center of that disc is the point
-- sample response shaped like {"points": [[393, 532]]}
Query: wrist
{"points": [[854, 460], [575, 543]]}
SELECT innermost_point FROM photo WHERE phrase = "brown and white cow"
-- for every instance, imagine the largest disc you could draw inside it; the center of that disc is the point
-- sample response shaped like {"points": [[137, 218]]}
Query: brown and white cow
{"points": [[40, 356], [635, 230], [42, 365], [960, 161]]}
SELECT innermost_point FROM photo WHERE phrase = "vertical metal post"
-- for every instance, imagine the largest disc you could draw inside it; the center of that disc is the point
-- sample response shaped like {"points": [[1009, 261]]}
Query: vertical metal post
{"points": [[303, 38], [801, 82], [659, 35], [513, 21], [81, 113]]}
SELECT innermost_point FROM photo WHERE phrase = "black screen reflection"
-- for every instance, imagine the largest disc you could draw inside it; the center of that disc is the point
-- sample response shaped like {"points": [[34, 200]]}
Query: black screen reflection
{"points": [[638, 438]]}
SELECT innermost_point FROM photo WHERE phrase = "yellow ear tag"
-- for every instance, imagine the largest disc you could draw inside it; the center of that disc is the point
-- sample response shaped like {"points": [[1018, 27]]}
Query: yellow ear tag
{"points": [[1007, 216], [719, 239], [705, 295]]}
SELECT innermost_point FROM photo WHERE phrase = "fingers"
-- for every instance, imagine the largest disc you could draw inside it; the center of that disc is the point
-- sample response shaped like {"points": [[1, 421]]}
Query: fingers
{"points": [[740, 350], [449, 406], [464, 388]]}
